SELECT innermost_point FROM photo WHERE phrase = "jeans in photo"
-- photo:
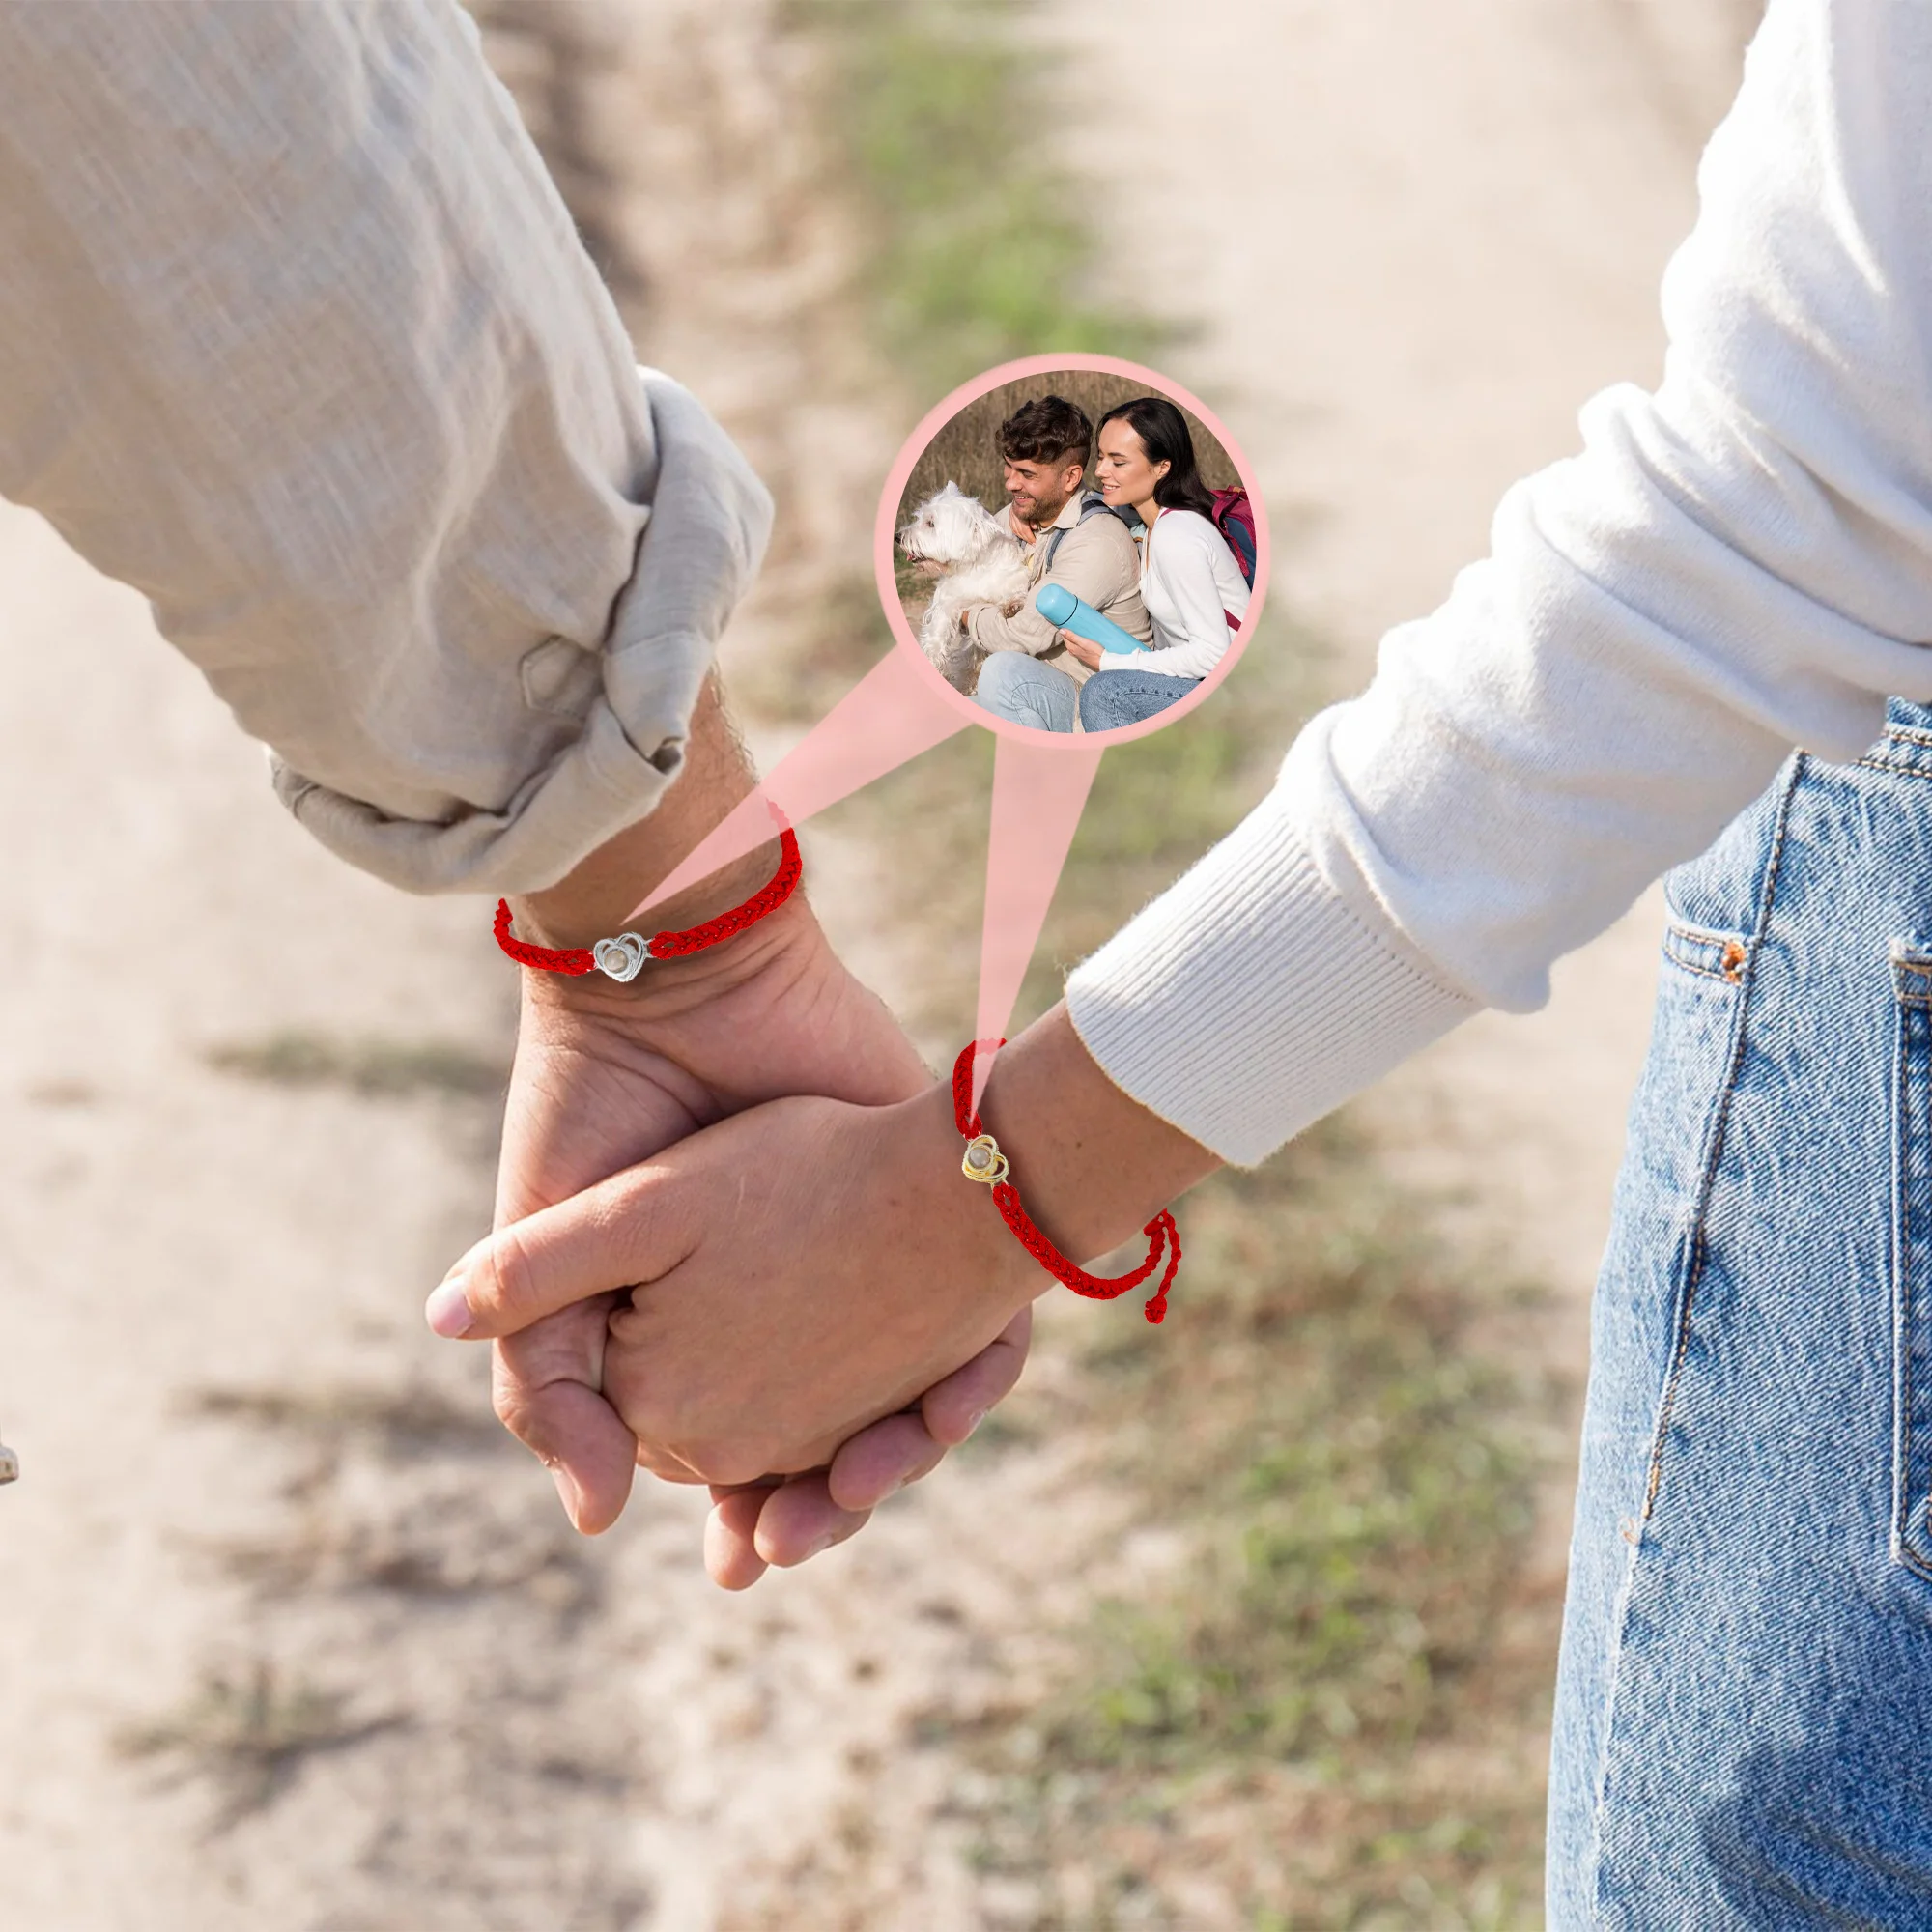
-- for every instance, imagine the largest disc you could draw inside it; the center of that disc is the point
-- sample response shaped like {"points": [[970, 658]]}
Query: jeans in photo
{"points": [[1016, 686], [1111, 698], [1743, 1713]]}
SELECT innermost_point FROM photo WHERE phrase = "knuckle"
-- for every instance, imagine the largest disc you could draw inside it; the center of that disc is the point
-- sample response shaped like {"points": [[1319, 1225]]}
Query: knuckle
{"points": [[505, 1279], [520, 1416]]}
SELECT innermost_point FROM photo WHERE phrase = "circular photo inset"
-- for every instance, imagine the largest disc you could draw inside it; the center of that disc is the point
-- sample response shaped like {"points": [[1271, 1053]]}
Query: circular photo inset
{"points": [[1073, 545]]}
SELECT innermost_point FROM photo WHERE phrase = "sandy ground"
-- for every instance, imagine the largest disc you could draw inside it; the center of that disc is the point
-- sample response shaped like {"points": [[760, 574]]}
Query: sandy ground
{"points": [[290, 1639]]}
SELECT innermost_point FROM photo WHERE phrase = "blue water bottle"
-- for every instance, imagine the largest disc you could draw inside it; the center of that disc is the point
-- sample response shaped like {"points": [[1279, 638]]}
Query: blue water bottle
{"points": [[1065, 612]]}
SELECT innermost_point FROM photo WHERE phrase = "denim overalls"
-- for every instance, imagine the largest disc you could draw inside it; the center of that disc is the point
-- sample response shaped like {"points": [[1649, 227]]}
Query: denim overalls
{"points": [[1744, 1721]]}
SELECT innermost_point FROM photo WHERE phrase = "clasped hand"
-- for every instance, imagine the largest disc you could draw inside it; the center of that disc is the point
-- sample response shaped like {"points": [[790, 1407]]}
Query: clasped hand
{"points": [[696, 1272]]}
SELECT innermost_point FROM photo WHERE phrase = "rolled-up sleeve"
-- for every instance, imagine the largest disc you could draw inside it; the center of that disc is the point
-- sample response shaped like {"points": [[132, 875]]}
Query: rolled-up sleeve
{"points": [[298, 338]]}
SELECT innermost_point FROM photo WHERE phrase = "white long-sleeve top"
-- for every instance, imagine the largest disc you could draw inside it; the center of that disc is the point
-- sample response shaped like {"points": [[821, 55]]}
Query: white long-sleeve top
{"points": [[1735, 565], [1190, 585]]}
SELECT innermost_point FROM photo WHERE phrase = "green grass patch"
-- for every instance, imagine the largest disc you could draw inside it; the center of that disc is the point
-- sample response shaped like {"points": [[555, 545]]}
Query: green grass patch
{"points": [[1314, 1709], [979, 253]]}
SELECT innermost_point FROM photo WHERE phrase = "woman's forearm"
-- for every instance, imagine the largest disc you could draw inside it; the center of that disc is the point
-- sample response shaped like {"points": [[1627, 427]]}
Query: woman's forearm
{"points": [[1740, 563], [1092, 1165]]}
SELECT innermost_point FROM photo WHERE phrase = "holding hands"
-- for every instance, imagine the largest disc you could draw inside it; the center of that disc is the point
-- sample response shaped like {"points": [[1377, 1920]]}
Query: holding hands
{"points": [[733, 1243]]}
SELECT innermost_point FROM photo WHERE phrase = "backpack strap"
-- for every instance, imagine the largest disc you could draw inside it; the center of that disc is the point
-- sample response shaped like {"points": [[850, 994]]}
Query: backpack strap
{"points": [[1092, 505]]}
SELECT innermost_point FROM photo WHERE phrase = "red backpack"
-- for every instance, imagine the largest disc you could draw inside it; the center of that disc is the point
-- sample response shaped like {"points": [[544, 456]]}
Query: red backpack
{"points": [[1235, 519]]}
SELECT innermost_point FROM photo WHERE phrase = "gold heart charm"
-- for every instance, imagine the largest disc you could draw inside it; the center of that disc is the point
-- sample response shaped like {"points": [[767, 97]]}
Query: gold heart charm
{"points": [[10, 1465], [982, 1161]]}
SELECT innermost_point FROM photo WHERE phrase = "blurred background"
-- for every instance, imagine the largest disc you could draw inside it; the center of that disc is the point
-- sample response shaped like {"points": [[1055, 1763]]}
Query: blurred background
{"points": [[1247, 1621]]}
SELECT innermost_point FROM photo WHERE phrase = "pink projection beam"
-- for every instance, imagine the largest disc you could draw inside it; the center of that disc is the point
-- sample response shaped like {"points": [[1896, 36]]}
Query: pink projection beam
{"points": [[894, 713], [1039, 790]]}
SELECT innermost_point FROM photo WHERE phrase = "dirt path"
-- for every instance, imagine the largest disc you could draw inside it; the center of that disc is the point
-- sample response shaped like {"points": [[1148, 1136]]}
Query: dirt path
{"points": [[1442, 229]]}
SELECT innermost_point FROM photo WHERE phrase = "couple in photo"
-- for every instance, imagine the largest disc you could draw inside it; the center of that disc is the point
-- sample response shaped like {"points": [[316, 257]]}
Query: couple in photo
{"points": [[1138, 543]]}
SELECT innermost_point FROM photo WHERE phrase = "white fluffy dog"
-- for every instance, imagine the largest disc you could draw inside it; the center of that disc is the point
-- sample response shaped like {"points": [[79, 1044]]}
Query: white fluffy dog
{"points": [[981, 562]]}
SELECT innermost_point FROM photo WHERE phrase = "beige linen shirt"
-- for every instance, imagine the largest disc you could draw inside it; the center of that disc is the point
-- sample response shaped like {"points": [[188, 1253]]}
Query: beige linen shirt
{"points": [[298, 338], [1098, 560]]}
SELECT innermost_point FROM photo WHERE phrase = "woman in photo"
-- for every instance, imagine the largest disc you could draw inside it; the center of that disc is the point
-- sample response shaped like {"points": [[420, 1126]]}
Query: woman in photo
{"points": [[1193, 588]]}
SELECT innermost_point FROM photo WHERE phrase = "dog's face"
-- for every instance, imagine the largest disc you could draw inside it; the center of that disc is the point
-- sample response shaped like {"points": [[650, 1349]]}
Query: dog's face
{"points": [[950, 529]]}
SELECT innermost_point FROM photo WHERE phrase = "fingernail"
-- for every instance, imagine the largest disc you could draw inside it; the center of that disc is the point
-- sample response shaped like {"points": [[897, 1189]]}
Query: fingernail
{"points": [[820, 1547], [974, 1420], [447, 1311]]}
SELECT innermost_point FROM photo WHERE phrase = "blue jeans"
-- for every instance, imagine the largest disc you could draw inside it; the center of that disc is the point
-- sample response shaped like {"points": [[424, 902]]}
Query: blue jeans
{"points": [[1744, 1715], [1110, 698], [1012, 685]]}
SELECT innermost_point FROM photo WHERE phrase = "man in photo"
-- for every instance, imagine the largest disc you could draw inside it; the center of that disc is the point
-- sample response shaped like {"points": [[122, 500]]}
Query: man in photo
{"points": [[1072, 539]]}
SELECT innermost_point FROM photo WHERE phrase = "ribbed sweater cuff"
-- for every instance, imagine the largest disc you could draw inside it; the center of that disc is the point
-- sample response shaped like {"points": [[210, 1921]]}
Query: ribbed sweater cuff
{"points": [[1253, 997]]}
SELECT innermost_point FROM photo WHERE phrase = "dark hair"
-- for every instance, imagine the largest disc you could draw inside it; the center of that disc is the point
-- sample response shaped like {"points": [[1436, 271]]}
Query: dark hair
{"points": [[1163, 433], [1049, 429]]}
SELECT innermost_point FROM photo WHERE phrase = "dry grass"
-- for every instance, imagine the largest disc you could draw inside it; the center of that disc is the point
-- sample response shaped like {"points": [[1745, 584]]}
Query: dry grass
{"points": [[249, 1733], [397, 1423], [373, 1067]]}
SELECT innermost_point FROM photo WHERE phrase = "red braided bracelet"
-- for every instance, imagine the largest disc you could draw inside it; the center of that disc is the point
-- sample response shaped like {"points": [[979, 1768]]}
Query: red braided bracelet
{"points": [[623, 957], [983, 1162]]}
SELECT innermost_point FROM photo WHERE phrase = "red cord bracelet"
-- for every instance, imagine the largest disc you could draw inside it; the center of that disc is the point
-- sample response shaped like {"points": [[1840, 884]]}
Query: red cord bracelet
{"points": [[984, 1163], [623, 957]]}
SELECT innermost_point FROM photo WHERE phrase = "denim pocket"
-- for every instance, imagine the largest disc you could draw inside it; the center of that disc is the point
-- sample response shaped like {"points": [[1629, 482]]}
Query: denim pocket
{"points": [[1912, 1257]]}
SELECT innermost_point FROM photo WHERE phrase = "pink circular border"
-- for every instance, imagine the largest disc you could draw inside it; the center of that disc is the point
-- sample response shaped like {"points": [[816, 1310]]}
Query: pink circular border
{"points": [[886, 531]]}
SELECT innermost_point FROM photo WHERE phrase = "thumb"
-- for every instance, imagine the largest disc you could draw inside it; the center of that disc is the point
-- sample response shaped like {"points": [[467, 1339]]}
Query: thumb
{"points": [[631, 1229]]}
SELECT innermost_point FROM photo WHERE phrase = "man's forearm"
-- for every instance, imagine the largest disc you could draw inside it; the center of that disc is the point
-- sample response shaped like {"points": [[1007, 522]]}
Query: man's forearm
{"points": [[1026, 630], [590, 901]]}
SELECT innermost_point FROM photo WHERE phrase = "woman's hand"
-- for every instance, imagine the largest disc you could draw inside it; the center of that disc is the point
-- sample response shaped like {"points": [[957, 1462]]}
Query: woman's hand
{"points": [[1083, 648], [808, 1263], [779, 1281]]}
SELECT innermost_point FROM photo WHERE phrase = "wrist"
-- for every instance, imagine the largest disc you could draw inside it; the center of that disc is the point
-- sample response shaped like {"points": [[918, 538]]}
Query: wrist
{"points": [[595, 899], [923, 1139], [1092, 1166], [785, 947]]}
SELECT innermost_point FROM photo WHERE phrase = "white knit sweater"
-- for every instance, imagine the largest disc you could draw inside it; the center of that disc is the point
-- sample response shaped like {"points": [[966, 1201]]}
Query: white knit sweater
{"points": [[1737, 564], [1189, 583]]}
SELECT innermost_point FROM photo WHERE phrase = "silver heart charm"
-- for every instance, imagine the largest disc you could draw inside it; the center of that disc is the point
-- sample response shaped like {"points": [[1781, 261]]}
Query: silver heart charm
{"points": [[622, 958]]}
